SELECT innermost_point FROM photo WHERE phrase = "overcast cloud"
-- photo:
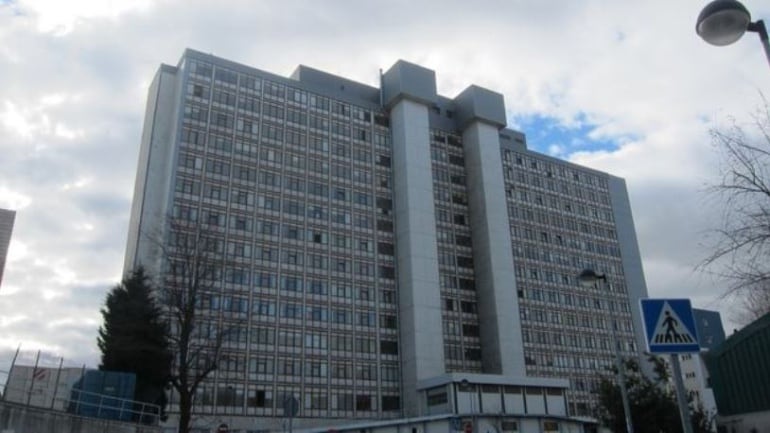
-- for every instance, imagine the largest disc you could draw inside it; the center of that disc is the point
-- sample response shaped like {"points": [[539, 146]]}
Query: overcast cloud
{"points": [[625, 87]]}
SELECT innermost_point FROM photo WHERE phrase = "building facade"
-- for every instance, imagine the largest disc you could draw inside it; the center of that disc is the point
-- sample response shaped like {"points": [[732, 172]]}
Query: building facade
{"points": [[7, 218], [374, 239], [739, 370], [711, 334]]}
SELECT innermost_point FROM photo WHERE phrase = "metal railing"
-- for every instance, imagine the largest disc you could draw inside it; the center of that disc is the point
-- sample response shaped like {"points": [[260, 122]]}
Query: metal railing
{"points": [[85, 403]]}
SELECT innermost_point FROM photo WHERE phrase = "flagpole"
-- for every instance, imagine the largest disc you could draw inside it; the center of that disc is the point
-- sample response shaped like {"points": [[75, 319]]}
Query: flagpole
{"points": [[56, 385], [10, 371], [32, 379]]}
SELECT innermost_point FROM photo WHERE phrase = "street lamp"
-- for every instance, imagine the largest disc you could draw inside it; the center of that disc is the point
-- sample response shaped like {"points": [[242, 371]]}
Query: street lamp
{"points": [[723, 22], [589, 278]]}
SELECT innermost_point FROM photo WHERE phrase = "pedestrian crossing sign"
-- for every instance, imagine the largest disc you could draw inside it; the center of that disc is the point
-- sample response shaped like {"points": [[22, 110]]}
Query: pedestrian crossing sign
{"points": [[669, 326]]}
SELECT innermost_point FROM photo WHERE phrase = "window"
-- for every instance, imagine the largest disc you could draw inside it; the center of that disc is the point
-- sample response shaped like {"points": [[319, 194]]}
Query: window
{"points": [[383, 160], [292, 257], [389, 347], [363, 402], [391, 402], [388, 321]]}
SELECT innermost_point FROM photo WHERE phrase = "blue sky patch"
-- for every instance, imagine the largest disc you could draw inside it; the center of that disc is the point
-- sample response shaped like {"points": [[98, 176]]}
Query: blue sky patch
{"points": [[548, 135]]}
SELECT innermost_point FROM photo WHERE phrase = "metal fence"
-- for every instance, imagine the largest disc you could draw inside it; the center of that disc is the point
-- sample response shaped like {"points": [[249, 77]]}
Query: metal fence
{"points": [[48, 384]]}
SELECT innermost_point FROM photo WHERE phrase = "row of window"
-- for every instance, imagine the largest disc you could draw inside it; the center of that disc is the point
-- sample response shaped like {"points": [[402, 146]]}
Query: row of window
{"points": [[248, 173], [247, 197], [252, 85], [270, 336], [296, 141], [550, 170], [271, 205], [233, 395], [245, 249]]}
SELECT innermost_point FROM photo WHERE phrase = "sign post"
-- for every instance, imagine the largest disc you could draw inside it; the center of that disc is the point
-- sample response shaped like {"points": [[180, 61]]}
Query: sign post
{"points": [[669, 327]]}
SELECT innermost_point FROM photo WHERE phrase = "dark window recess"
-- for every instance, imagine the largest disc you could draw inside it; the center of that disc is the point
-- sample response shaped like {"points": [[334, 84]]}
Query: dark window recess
{"points": [[473, 354], [450, 114], [463, 241], [464, 262], [388, 322], [454, 141], [384, 226], [384, 205], [459, 219], [389, 347], [381, 120], [470, 330], [439, 138], [466, 284], [387, 272], [363, 402], [457, 179], [468, 307], [383, 160], [456, 160], [391, 402], [385, 248], [257, 400]]}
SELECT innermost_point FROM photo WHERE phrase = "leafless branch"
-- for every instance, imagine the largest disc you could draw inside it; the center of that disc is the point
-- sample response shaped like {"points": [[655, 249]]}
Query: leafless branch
{"points": [[740, 246]]}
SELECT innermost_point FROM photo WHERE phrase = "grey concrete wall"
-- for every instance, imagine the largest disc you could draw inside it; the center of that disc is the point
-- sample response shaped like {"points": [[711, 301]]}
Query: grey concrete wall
{"points": [[502, 347], [421, 335], [631, 258], [20, 419], [152, 187]]}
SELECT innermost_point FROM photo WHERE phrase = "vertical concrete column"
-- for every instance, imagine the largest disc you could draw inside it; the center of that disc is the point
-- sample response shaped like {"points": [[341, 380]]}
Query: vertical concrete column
{"points": [[407, 90], [632, 261], [153, 186], [481, 115]]}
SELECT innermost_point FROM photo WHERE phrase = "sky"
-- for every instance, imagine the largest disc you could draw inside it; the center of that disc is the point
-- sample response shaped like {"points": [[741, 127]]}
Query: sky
{"points": [[625, 87]]}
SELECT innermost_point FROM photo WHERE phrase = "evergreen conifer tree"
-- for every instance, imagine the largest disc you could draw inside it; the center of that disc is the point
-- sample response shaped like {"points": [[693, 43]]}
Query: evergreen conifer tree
{"points": [[134, 337]]}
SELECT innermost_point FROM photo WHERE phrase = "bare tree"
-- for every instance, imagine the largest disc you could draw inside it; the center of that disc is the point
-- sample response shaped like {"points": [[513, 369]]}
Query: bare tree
{"points": [[740, 247], [193, 262], [753, 305]]}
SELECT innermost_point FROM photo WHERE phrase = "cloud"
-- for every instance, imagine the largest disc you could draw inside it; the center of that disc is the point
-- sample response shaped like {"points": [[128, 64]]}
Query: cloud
{"points": [[633, 91]]}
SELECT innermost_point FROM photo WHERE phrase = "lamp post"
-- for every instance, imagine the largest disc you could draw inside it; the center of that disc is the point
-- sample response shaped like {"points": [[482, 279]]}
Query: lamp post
{"points": [[723, 22], [589, 278]]}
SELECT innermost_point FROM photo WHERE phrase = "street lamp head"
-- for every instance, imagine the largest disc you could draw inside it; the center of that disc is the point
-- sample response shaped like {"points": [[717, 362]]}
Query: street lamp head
{"points": [[723, 22], [589, 277]]}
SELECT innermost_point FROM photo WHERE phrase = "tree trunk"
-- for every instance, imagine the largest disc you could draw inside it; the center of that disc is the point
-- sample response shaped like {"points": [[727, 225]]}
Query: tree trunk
{"points": [[185, 409]]}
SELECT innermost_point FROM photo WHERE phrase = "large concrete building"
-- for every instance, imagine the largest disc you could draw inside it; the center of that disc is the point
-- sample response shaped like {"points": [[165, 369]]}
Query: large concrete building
{"points": [[383, 247], [7, 218]]}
